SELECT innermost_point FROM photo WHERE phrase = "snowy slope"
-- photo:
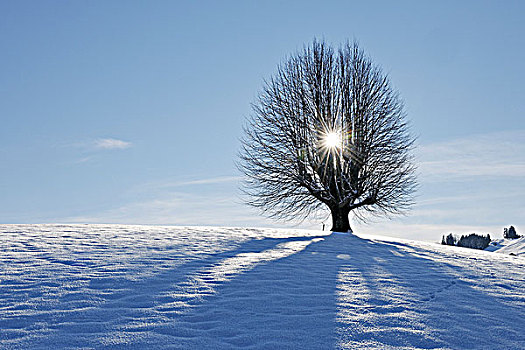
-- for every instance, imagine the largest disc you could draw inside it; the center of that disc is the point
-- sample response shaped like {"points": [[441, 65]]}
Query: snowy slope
{"points": [[508, 246], [143, 287]]}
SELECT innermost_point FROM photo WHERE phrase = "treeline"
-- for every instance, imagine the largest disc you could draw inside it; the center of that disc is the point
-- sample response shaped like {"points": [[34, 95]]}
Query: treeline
{"points": [[473, 240]]}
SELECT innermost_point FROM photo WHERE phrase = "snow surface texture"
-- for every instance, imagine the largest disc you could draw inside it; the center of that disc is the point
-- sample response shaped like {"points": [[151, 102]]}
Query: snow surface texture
{"points": [[141, 287], [508, 246]]}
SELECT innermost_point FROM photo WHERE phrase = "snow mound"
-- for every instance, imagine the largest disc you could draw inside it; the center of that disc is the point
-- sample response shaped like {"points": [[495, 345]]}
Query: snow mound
{"points": [[508, 246], [145, 287]]}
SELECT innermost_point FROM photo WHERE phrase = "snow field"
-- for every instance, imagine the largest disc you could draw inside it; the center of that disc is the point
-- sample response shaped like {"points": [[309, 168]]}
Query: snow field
{"points": [[135, 287]]}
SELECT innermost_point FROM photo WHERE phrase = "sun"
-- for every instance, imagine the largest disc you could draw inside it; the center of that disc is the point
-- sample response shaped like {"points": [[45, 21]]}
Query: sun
{"points": [[332, 140]]}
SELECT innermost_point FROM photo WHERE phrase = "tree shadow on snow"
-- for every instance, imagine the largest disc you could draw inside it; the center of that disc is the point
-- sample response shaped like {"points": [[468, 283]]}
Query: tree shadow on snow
{"points": [[144, 313], [408, 300], [352, 293], [285, 303], [337, 291]]}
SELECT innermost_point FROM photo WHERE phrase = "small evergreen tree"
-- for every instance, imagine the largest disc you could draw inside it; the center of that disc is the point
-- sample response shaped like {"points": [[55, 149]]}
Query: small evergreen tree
{"points": [[510, 233], [451, 240]]}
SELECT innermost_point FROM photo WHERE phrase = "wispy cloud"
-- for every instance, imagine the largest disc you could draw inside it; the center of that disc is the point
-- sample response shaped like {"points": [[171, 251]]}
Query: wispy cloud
{"points": [[107, 144], [213, 180], [160, 187], [91, 148], [494, 154], [472, 184], [205, 181], [179, 208], [478, 209], [83, 160], [181, 203]]}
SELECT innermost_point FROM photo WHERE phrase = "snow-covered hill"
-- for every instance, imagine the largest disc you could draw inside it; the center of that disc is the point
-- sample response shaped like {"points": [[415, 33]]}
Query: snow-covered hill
{"points": [[144, 287], [508, 246]]}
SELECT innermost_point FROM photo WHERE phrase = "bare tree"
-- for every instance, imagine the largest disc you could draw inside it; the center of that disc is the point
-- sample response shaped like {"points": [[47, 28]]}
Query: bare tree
{"points": [[328, 131]]}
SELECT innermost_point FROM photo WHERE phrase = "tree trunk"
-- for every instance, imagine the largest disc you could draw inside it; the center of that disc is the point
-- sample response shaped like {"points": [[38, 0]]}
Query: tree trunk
{"points": [[340, 222]]}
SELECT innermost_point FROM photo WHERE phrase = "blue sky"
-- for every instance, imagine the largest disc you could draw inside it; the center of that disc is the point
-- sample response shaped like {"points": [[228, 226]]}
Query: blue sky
{"points": [[131, 111]]}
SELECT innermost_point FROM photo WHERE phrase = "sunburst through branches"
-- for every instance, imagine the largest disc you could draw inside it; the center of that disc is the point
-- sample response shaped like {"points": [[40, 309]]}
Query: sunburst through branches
{"points": [[328, 132], [332, 140]]}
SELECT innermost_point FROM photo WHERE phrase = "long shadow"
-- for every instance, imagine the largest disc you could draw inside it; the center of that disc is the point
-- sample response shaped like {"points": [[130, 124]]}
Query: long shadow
{"points": [[128, 314], [287, 303], [351, 293], [340, 291], [413, 302]]}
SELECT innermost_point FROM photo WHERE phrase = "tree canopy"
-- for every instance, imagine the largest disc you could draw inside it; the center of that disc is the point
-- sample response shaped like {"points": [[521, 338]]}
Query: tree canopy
{"points": [[328, 131]]}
